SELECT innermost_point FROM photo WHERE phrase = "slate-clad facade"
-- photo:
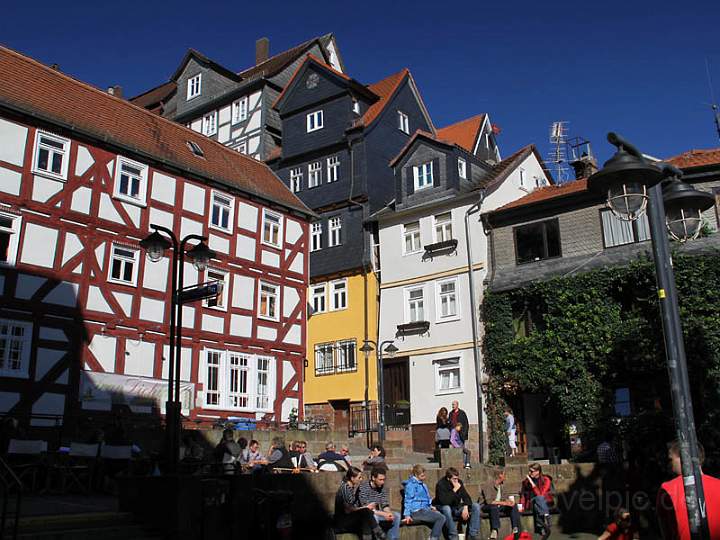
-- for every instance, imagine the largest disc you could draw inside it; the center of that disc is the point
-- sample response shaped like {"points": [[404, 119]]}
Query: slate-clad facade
{"points": [[341, 171], [234, 108]]}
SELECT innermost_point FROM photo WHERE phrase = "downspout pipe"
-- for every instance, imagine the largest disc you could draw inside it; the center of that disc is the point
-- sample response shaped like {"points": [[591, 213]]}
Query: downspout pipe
{"points": [[474, 209]]}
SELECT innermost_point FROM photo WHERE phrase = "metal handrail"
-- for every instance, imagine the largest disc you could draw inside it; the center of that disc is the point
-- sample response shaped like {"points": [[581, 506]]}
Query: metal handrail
{"points": [[7, 486]]}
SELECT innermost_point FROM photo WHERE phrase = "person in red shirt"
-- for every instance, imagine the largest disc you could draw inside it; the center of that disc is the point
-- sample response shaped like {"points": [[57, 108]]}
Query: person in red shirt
{"points": [[671, 506], [621, 528], [536, 493]]}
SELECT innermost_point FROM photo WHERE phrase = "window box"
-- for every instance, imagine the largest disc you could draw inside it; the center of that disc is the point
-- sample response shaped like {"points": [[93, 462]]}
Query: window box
{"points": [[417, 327], [446, 246]]}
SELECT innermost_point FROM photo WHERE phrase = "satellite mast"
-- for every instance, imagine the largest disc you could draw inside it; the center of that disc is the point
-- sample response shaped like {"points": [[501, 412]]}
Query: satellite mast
{"points": [[558, 151], [713, 104]]}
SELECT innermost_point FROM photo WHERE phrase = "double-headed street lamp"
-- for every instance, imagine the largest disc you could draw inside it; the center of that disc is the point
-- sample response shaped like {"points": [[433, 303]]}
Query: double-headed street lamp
{"points": [[390, 350], [155, 245], [633, 185]]}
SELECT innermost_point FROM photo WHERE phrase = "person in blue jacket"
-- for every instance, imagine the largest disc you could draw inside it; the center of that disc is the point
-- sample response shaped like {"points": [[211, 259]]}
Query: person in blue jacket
{"points": [[417, 507]]}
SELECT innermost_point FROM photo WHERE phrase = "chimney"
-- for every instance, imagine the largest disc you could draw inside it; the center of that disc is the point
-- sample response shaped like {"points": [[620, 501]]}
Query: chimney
{"points": [[262, 50], [115, 91], [584, 166]]}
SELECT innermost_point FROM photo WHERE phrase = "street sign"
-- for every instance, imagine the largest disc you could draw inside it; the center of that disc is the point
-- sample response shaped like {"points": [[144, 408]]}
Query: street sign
{"points": [[200, 291]]}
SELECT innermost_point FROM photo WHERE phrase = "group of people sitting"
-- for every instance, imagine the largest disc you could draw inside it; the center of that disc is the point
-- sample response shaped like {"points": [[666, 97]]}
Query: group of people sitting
{"points": [[245, 456], [362, 506]]}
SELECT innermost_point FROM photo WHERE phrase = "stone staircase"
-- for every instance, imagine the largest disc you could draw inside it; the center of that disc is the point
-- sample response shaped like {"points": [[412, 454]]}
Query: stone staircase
{"points": [[86, 526]]}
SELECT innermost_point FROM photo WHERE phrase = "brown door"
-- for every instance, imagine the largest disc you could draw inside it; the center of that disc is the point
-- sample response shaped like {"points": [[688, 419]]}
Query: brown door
{"points": [[396, 380], [341, 410]]}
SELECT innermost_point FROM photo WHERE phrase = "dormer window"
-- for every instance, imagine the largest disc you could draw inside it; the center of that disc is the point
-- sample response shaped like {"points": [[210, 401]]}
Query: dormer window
{"points": [[423, 175], [356, 106], [521, 172], [403, 122], [314, 121], [194, 86], [239, 110], [462, 168]]}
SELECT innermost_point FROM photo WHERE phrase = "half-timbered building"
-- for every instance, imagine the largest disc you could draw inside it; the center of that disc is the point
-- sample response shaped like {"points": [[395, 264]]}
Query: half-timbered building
{"points": [[84, 314], [235, 108]]}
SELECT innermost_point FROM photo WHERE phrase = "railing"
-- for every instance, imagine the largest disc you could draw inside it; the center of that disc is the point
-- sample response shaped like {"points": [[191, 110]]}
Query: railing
{"points": [[9, 480], [362, 419], [397, 417]]}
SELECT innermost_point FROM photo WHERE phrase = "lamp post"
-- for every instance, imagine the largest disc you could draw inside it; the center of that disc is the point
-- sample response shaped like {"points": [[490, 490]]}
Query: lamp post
{"points": [[391, 349], [633, 185], [155, 245]]}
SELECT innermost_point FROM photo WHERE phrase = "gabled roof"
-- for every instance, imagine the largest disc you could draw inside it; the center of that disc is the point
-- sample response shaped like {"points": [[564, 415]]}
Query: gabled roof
{"points": [[464, 133], [202, 59], [312, 59], [548, 193], [153, 98], [696, 158], [37, 91], [417, 135], [280, 61], [502, 169]]}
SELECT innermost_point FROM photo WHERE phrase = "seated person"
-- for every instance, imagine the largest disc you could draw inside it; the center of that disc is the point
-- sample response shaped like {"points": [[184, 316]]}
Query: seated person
{"points": [[417, 507], [350, 516], [228, 451], [496, 504], [376, 458], [279, 457], [305, 459], [255, 459], [536, 495], [330, 460], [373, 492], [455, 503], [345, 452]]}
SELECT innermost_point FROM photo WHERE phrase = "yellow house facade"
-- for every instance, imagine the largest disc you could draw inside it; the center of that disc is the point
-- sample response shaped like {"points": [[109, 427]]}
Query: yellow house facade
{"points": [[344, 314]]}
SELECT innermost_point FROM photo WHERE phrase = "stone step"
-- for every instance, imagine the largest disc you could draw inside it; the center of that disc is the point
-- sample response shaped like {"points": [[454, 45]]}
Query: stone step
{"points": [[86, 526]]}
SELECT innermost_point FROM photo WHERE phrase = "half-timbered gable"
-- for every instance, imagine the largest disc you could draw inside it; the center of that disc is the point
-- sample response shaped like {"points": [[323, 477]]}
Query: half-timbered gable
{"points": [[84, 317]]}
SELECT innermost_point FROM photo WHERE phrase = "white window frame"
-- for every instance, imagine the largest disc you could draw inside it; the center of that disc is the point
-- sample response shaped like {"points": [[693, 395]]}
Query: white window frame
{"points": [[423, 173], [25, 350], [135, 263], [444, 225], [225, 374], [230, 208], [14, 238], [141, 199], [338, 348], [224, 295], [335, 306], [355, 106], [521, 176], [319, 291], [418, 248], [462, 168], [239, 111], [242, 147], [296, 176], [268, 242], [403, 122], [439, 318], [276, 294], [321, 366], [65, 153], [448, 364], [333, 169], [314, 174], [209, 123], [194, 86], [335, 231], [316, 230], [406, 302], [315, 121]]}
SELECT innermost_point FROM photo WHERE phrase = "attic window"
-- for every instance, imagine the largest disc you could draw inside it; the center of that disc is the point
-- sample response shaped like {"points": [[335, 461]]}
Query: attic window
{"points": [[195, 148], [194, 86]]}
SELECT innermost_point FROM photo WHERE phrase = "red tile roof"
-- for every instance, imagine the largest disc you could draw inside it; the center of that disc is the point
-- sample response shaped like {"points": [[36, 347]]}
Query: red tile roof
{"points": [[385, 89], [696, 158], [548, 192], [278, 62], [29, 87], [463, 133], [153, 98]]}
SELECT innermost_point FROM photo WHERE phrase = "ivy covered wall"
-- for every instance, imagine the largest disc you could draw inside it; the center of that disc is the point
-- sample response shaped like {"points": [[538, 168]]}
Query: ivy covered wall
{"points": [[575, 339]]}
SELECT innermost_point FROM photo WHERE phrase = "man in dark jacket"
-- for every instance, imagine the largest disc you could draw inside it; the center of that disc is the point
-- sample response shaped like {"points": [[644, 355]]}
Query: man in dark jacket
{"points": [[453, 500], [279, 458], [458, 416], [496, 503]]}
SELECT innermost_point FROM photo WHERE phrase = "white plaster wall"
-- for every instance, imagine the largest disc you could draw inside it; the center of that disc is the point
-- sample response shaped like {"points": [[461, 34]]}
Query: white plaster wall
{"points": [[245, 247], [240, 325], [294, 336], [107, 210], [13, 138], [263, 332], [190, 226], [64, 294], [290, 300], [243, 292], [73, 246], [155, 276], [96, 301], [81, 200], [125, 301], [270, 259], [425, 400], [152, 310], [219, 244], [28, 285], [185, 363], [162, 218], [44, 188], [210, 323], [10, 181], [163, 188], [193, 198], [298, 264], [46, 359], [84, 160], [54, 334], [139, 357], [293, 231], [287, 406], [247, 216], [103, 349], [48, 403], [39, 245]]}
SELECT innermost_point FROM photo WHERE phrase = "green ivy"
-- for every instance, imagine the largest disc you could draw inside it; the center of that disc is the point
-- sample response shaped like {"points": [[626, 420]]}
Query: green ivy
{"points": [[591, 331]]}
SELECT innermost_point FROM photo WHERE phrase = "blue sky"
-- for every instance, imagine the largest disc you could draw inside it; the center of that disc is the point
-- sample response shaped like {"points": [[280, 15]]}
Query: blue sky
{"points": [[635, 67]]}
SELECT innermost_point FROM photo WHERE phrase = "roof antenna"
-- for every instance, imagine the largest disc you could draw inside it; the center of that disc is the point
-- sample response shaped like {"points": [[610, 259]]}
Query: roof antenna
{"points": [[713, 104]]}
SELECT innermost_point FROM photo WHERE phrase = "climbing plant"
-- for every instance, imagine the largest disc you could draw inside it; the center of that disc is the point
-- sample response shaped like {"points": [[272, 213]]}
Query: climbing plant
{"points": [[575, 338]]}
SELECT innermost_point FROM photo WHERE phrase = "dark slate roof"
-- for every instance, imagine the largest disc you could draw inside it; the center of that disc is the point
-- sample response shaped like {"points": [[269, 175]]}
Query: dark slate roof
{"points": [[33, 89]]}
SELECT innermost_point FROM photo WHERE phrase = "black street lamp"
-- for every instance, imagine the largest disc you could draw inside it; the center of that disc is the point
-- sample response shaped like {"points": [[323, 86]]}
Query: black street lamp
{"points": [[633, 184], [390, 350], [155, 245]]}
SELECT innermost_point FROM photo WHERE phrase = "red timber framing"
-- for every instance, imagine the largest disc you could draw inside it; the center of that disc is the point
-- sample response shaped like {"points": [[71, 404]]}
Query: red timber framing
{"points": [[77, 240]]}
